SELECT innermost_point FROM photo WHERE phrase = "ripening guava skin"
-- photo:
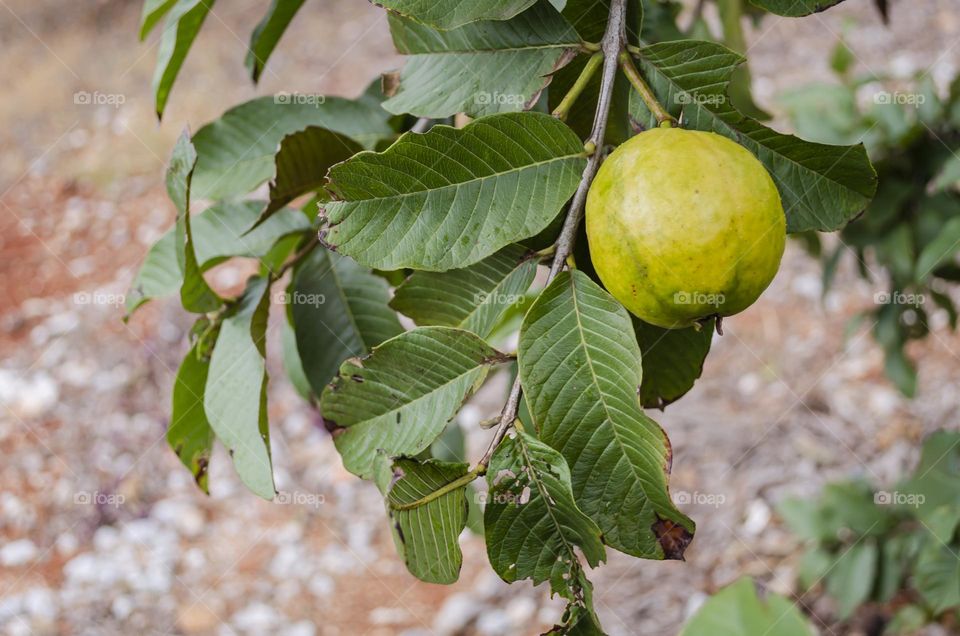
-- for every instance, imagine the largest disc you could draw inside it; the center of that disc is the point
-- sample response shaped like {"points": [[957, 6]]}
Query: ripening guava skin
{"points": [[684, 225]]}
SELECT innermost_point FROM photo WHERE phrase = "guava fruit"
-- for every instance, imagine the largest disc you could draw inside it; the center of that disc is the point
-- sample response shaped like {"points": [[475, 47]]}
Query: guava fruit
{"points": [[684, 225]]}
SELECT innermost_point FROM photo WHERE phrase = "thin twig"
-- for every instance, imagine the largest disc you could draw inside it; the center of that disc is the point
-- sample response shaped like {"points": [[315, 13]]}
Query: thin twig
{"points": [[614, 40], [299, 256]]}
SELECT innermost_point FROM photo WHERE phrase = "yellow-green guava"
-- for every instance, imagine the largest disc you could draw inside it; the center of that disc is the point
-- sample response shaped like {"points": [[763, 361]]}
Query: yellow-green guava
{"points": [[684, 225]]}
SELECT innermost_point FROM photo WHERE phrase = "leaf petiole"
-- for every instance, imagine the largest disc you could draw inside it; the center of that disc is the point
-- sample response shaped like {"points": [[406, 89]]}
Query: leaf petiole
{"points": [[594, 63], [646, 94]]}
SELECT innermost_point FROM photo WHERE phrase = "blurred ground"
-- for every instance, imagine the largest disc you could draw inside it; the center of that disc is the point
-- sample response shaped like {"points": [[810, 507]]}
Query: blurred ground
{"points": [[102, 531]]}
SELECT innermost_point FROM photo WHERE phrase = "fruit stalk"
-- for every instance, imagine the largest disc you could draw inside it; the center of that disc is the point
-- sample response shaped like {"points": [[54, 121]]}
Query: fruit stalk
{"points": [[612, 45]]}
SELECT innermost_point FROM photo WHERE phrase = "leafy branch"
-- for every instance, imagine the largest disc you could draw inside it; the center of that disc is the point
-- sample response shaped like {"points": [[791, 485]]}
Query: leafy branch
{"points": [[613, 43]]}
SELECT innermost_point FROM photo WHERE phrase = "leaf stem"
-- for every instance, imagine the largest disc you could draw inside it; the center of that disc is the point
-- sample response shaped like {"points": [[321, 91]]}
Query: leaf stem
{"points": [[612, 45], [593, 63], [646, 94], [459, 482]]}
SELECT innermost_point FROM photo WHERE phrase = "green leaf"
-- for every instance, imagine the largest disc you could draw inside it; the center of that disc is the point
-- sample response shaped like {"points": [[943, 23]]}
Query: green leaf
{"points": [[218, 234], [292, 364], [908, 620], [400, 398], [737, 610], [481, 68], [948, 176], [937, 477], [580, 369], [795, 8], [472, 298], [533, 527], [940, 250], [449, 14], [195, 294], [181, 28], [427, 535], [339, 310], [236, 152], [268, 32], [153, 12], [302, 163], [235, 397], [852, 576], [449, 198], [937, 577], [822, 187], [672, 360], [189, 434]]}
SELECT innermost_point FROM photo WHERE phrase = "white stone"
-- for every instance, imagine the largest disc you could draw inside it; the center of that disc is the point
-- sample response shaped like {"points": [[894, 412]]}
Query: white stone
{"points": [[300, 628], [256, 618], [40, 602], [458, 610], [17, 553]]}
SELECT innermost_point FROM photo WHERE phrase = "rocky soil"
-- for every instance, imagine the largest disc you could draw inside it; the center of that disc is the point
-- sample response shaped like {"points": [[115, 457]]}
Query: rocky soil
{"points": [[101, 529]]}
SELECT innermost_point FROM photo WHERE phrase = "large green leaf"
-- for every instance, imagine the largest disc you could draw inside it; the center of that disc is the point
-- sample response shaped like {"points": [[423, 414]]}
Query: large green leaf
{"points": [[235, 398], [449, 14], [152, 12], [236, 152], [302, 163], [937, 577], [481, 68], [580, 368], [533, 527], [535, 531], [218, 234], [936, 481], [339, 310], [852, 576], [449, 198], [267, 33], [195, 294], [795, 8], [942, 249], [822, 187], [737, 610], [672, 360], [183, 24], [189, 433], [472, 298], [400, 398], [427, 535]]}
